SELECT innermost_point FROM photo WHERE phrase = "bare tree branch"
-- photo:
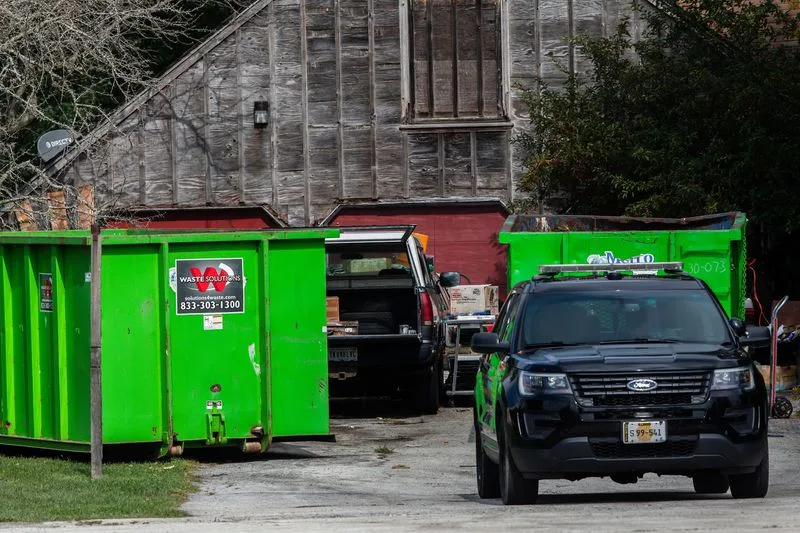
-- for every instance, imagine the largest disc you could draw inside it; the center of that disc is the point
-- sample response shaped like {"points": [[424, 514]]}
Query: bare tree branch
{"points": [[63, 64]]}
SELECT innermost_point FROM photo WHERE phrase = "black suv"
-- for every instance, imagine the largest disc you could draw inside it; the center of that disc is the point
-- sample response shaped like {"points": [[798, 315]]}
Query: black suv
{"points": [[613, 374]]}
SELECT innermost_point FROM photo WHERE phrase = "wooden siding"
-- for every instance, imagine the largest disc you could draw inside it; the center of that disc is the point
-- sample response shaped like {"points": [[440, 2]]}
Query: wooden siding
{"points": [[332, 72]]}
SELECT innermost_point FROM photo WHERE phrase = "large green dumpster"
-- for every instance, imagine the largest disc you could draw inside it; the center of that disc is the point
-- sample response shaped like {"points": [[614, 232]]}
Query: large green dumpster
{"points": [[208, 338], [711, 248]]}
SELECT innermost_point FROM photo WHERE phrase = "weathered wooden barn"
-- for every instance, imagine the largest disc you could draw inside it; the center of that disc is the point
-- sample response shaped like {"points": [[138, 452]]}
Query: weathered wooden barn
{"points": [[303, 107]]}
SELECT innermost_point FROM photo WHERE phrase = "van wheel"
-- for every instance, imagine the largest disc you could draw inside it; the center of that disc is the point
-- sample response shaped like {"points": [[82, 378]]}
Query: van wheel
{"points": [[754, 485], [712, 482], [427, 392]]}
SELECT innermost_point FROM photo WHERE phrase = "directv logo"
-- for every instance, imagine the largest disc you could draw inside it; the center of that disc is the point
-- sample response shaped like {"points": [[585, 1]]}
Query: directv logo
{"points": [[53, 143], [59, 142]]}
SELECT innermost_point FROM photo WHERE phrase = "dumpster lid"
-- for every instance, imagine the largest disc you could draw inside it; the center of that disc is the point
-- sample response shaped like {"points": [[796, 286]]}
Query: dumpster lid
{"points": [[562, 223], [372, 235]]}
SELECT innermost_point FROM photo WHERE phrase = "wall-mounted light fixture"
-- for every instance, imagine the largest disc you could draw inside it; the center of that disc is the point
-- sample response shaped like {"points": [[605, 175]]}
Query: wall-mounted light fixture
{"points": [[260, 114]]}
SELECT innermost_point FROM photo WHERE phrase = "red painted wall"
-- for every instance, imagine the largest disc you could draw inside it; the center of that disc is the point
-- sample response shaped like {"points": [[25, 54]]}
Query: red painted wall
{"points": [[461, 238], [201, 219]]}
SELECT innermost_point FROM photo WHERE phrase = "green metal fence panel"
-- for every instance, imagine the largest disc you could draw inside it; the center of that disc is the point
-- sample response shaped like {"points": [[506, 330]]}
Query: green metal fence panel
{"points": [[711, 248], [209, 338]]}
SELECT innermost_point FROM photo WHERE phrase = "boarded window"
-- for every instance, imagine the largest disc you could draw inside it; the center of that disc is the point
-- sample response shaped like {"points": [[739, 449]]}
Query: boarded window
{"points": [[455, 69]]}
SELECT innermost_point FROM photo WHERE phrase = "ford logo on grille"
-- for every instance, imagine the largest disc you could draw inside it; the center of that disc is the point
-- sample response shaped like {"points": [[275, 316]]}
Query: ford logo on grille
{"points": [[642, 385]]}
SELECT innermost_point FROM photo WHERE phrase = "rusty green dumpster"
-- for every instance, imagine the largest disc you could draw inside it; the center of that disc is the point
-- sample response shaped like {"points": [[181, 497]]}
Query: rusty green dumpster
{"points": [[208, 338]]}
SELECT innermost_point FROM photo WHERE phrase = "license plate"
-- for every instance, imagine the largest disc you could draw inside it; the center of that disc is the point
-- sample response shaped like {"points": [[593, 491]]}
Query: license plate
{"points": [[343, 355], [644, 432]]}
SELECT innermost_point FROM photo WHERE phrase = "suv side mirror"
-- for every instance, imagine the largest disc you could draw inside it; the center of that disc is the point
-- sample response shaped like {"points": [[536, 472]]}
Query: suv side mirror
{"points": [[485, 342], [738, 327], [449, 279], [756, 336]]}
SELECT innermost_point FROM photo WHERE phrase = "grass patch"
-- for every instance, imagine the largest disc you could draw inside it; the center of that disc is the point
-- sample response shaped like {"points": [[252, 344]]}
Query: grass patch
{"points": [[384, 450], [36, 489]]}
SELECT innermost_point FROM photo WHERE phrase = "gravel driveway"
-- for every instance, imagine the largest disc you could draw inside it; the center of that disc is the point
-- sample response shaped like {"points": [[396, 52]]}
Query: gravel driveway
{"points": [[410, 473]]}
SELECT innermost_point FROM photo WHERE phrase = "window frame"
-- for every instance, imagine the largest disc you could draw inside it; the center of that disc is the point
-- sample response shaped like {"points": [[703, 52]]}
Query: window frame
{"points": [[408, 74], [506, 314]]}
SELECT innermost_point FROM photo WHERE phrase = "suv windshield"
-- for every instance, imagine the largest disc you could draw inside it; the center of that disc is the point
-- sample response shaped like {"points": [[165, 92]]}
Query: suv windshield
{"points": [[607, 316]]}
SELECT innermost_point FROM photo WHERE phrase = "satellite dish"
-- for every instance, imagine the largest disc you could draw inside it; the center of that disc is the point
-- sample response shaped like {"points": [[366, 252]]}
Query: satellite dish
{"points": [[53, 143]]}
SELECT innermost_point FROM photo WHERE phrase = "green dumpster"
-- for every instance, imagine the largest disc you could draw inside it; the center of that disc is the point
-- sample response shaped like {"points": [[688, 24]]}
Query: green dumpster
{"points": [[208, 338], [711, 247]]}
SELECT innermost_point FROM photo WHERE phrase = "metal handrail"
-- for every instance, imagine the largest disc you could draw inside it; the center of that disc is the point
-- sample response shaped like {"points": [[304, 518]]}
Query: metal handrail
{"points": [[774, 350]]}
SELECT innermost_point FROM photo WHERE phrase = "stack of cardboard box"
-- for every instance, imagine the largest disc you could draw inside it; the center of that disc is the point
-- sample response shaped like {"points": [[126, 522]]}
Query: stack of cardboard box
{"points": [[785, 376]]}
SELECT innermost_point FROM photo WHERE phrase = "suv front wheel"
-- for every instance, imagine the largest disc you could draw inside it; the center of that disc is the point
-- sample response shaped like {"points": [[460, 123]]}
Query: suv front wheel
{"points": [[486, 472], [514, 489], [754, 485]]}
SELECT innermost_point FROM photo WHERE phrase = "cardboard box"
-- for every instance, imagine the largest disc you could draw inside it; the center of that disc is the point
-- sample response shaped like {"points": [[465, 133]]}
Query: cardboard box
{"points": [[785, 377], [343, 328], [332, 308], [470, 299]]}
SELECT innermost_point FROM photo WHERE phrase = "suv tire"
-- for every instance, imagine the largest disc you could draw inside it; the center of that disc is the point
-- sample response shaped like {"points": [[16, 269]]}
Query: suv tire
{"points": [[755, 484], [486, 471], [514, 489], [710, 482]]}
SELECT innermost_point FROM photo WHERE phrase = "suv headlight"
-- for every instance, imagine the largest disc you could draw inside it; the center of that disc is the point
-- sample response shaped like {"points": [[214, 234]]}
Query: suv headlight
{"points": [[533, 384], [733, 378]]}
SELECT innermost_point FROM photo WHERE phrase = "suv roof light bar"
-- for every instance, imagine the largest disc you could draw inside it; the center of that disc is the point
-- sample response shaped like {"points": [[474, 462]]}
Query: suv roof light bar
{"points": [[675, 266]]}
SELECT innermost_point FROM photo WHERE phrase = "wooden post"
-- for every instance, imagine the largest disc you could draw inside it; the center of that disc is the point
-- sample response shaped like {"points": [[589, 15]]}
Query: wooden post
{"points": [[96, 334]]}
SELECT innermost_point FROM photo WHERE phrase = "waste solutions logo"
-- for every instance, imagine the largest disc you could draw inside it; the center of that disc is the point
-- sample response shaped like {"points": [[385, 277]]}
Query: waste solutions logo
{"points": [[209, 286], [608, 258], [218, 278]]}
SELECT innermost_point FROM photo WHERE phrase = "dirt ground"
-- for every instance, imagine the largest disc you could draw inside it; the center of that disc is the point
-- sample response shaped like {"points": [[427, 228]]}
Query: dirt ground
{"points": [[400, 472]]}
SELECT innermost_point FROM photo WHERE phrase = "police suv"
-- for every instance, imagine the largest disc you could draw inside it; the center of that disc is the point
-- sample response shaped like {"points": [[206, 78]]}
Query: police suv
{"points": [[618, 371]]}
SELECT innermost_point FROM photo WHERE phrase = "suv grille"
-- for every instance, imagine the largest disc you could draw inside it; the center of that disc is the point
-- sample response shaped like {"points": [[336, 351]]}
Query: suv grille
{"points": [[679, 447], [611, 390]]}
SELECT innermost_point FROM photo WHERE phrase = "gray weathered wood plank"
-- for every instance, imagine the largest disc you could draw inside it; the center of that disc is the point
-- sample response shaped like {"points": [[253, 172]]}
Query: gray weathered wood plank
{"points": [[423, 165], [273, 104], [304, 110], [156, 151], [372, 100], [339, 96], [390, 158], [357, 162], [242, 163], [141, 163], [457, 162]]}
